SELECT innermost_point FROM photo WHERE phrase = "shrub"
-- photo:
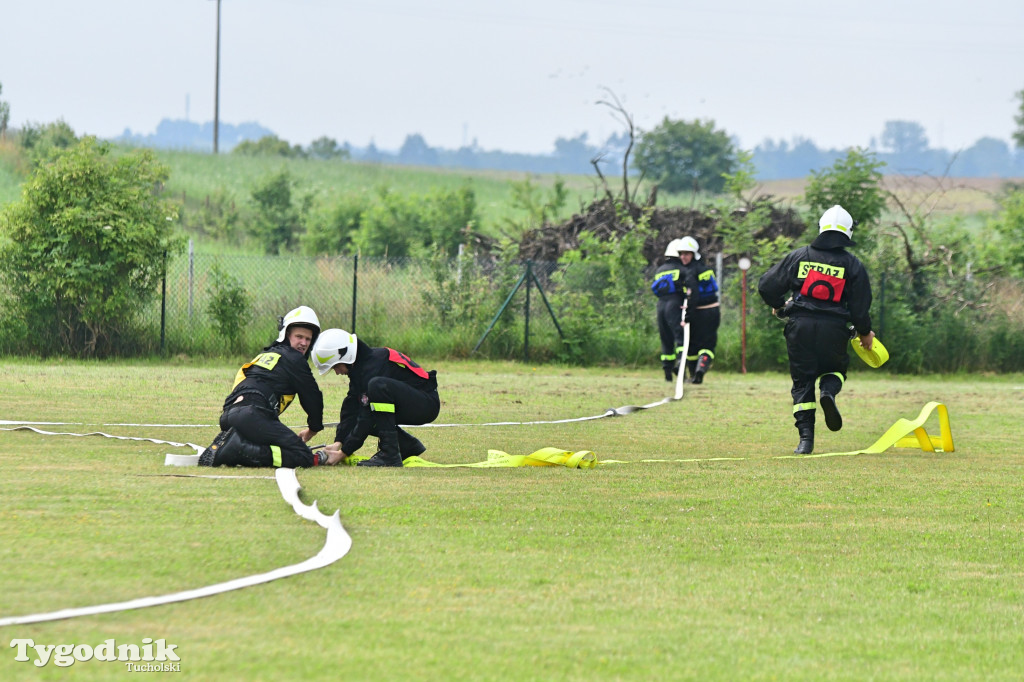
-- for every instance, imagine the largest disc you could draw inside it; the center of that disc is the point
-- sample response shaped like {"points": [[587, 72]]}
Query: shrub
{"points": [[83, 251]]}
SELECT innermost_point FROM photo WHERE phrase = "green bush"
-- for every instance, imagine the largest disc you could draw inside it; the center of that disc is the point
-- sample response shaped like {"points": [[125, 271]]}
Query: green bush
{"points": [[229, 306], [82, 253]]}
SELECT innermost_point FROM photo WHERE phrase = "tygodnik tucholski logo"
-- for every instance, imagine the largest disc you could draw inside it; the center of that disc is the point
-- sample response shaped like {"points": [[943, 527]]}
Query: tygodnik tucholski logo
{"points": [[150, 656]]}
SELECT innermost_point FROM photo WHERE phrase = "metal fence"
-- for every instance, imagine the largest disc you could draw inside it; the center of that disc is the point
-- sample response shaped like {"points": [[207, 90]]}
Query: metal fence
{"points": [[459, 307], [445, 307]]}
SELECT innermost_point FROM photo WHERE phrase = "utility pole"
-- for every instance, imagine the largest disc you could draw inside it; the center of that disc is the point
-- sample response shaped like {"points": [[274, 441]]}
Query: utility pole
{"points": [[216, 87]]}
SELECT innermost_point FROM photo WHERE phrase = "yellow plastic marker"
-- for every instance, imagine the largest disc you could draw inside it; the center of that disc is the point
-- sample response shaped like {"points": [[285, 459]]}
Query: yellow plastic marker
{"points": [[875, 357]]}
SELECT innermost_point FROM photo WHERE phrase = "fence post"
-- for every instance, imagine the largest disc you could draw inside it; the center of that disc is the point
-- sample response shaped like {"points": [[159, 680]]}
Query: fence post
{"points": [[191, 274], [163, 306], [355, 288], [526, 327]]}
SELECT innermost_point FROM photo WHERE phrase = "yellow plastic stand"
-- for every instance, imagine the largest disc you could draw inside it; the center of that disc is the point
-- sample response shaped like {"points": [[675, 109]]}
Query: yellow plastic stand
{"points": [[905, 433]]}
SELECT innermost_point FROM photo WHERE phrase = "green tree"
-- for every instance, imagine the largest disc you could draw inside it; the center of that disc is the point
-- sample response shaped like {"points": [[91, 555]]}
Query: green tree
{"points": [[685, 155], [278, 221], [39, 141], [1007, 248], [853, 182], [83, 251], [1018, 134], [327, 148], [904, 137], [230, 305], [269, 145], [329, 231]]}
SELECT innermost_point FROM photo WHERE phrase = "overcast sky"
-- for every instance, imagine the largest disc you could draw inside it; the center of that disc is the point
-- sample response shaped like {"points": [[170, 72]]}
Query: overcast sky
{"points": [[517, 75]]}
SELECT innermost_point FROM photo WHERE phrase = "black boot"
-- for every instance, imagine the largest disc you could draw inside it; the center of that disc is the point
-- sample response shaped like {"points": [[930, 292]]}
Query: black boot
{"points": [[668, 373], [691, 368], [236, 451], [833, 420], [210, 454], [805, 427], [388, 454], [806, 444], [703, 365], [409, 445], [830, 385]]}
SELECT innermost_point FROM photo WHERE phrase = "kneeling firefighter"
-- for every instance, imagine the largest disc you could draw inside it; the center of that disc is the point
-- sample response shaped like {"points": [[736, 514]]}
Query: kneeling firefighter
{"points": [[385, 388], [252, 433]]}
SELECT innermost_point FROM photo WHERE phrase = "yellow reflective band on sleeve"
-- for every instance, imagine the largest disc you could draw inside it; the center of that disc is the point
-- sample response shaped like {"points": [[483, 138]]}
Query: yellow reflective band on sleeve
{"points": [[707, 274], [800, 407], [275, 452], [382, 407]]}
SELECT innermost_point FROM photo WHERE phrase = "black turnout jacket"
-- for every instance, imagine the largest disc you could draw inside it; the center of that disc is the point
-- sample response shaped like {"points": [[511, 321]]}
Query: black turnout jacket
{"points": [[824, 278], [278, 374], [356, 420]]}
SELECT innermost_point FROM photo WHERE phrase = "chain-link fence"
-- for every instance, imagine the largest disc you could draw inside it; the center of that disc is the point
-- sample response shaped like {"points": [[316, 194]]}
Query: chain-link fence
{"points": [[441, 306], [459, 307]]}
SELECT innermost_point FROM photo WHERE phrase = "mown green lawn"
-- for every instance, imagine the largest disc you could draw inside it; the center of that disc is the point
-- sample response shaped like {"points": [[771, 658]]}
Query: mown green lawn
{"points": [[901, 566]]}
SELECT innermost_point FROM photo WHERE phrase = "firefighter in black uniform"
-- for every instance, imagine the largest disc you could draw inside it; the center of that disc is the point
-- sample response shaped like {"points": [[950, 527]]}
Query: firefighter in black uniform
{"points": [[385, 388], [830, 292], [668, 287], [702, 309], [252, 433]]}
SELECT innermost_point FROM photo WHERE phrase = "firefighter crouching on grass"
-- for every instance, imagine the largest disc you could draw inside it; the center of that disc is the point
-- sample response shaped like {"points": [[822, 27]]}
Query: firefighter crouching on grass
{"points": [[385, 388], [702, 309], [252, 433], [668, 287], [830, 291]]}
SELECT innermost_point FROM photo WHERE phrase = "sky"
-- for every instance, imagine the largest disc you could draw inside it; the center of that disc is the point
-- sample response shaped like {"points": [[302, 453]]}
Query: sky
{"points": [[515, 76]]}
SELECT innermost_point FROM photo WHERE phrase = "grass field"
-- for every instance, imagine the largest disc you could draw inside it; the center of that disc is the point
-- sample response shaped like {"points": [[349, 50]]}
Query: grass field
{"points": [[900, 566]]}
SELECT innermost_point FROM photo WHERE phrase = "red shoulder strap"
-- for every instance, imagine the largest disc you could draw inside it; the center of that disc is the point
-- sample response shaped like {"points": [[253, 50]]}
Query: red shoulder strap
{"points": [[403, 360]]}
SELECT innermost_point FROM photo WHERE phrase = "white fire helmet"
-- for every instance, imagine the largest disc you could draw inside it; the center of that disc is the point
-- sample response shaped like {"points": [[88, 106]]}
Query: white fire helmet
{"points": [[303, 315], [673, 248], [836, 218], [334, 346], [688, 244]]}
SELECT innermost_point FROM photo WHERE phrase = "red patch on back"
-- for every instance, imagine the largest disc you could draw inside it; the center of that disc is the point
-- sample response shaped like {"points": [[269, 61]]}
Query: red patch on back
{"points": [[823, 287]]}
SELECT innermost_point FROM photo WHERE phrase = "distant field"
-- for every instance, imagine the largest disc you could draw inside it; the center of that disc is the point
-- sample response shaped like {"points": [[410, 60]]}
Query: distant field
{"points": [[194, 177], [959, 196]]}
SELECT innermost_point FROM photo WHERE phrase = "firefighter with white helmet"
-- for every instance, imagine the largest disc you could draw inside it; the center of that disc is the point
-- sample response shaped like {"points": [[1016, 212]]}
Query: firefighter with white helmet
{"points": [[702, 309], [668, 286], [251, 431], [385, 389], [831, 293]]}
